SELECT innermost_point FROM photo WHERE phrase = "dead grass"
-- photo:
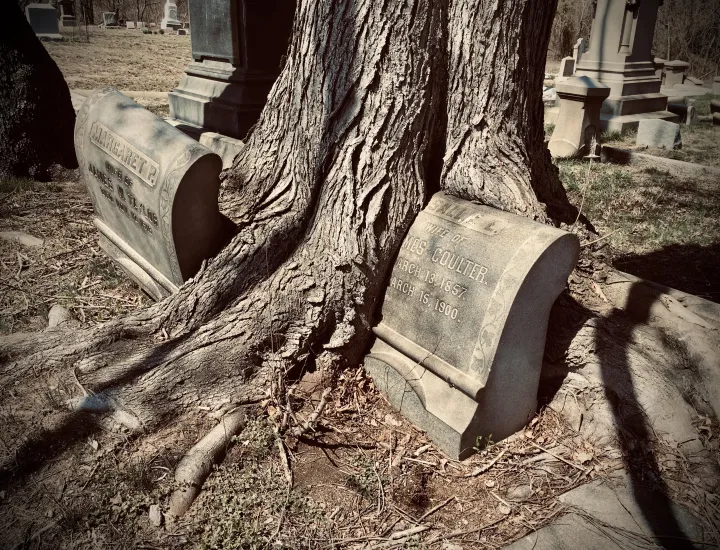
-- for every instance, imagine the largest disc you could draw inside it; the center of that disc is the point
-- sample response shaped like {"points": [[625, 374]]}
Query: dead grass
{"points": [[69, 269], [124, 59]]}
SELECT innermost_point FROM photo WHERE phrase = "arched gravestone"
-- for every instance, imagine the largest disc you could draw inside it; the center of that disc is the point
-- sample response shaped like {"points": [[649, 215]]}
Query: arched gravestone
{"points": [[459, 347], [154, 191]]}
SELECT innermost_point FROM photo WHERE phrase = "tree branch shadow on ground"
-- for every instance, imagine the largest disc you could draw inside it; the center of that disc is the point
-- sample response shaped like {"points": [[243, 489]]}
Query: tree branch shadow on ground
{"points": [[691, 268], [634, 433]]}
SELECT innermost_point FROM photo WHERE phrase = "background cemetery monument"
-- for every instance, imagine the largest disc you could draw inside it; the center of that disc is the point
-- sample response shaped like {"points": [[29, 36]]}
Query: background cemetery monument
{"points": [[237, 47], [619, 57], [170, 20], [44, 21]]}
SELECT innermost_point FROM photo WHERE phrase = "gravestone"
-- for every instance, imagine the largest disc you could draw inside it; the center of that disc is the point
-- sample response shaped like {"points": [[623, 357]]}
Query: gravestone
{"points": [[182, 32], [675, 72], [170, 21], [130, 24], [567, 67], [659, 133], [715, 106], [716, 86], [43, 20], [67, 13], [694, 81], [154, 191], [460, 343], [577, 129], [237, 48], [659, 64], [578, 49], [110, 20]]}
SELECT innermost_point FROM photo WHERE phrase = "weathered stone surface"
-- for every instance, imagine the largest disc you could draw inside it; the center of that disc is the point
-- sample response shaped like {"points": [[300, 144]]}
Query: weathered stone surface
{"points": [[130, 24], [687, 113], [36, 117], [577, 129], [675, 72], [579, 49], [716, 86], [237, 47], [460, 343], [613, 516], [715, 106], [154, 191], [659, 133], [716, 119], [43, 19]]}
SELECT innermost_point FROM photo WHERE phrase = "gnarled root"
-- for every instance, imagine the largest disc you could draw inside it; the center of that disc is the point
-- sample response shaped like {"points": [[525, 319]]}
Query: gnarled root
{"points": [[196, 465]]}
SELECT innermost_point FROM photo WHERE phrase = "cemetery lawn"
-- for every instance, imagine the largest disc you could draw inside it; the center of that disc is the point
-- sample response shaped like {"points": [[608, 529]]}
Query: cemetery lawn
{"points": [[700, 142], [655, 224], [122, 58]]}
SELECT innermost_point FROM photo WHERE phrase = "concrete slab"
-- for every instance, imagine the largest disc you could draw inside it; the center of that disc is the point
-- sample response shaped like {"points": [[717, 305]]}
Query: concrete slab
{"points": [[617, 514]]}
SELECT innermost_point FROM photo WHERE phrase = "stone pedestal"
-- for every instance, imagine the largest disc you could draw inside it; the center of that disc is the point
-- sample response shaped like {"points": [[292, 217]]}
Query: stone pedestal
{"points": [[660, 68], [577, 130], [170, 20], [237, 47], [619, 57], [675, 72]]}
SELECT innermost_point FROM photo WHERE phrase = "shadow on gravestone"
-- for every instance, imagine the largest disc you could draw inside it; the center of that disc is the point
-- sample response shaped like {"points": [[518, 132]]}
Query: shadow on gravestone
{"points": [[36, 113], [154, 191]]}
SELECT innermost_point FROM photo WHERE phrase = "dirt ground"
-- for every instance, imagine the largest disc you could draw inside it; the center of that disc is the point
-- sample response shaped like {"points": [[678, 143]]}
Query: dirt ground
{"points": [[364, 477]]}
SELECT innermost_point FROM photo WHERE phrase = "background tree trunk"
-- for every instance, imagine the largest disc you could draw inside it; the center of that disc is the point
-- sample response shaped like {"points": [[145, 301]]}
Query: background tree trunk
{"points": [[36, 115]]}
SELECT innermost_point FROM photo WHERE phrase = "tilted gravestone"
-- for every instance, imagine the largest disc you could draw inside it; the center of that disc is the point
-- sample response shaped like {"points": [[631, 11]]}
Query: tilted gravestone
{"points": [[459, 347], [659, 133], [154, 191], [43, 19]]}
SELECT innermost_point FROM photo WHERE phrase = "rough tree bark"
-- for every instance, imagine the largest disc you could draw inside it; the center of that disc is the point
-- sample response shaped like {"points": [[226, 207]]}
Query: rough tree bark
{"points": [[381, 102], [36, 114]]}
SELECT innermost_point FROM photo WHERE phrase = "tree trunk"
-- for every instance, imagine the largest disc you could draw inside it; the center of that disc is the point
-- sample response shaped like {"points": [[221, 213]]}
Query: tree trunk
{"points": [[495, 149], [36, 115]]}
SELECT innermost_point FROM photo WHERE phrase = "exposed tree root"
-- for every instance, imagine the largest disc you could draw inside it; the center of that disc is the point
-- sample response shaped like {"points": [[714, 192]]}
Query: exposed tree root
{"points": [[196, 465]]}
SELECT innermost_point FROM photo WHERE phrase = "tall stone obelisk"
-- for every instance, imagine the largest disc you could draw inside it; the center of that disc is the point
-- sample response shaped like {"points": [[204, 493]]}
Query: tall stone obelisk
{"points": [[619, 56]]}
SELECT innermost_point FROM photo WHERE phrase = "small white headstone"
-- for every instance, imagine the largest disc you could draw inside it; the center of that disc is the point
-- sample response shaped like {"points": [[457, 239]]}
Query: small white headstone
{"points": [[659, 133], [567, 67], [130, 24]]}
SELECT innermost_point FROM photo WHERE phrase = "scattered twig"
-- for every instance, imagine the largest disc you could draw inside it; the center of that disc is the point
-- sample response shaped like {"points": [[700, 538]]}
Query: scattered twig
{"points": [[566, 461], [489, 465], [436, 508], [299, 431]]}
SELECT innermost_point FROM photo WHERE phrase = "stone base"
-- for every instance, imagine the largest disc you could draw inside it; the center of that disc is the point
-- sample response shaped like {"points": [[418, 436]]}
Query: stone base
{"points": [[48, 36], [635, 104], [154, 283], [68, 22], [220, 98], [450, 417], [170, 24], [226, 147], [681, 91], [611, 123]]}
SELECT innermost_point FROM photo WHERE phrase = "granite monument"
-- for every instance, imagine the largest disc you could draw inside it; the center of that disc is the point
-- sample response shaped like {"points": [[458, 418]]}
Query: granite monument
{"points": [[44, 21]]}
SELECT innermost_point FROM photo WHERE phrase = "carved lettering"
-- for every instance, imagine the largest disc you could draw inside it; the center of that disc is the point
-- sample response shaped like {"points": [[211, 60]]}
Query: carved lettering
{"points": [[132, 159]]}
